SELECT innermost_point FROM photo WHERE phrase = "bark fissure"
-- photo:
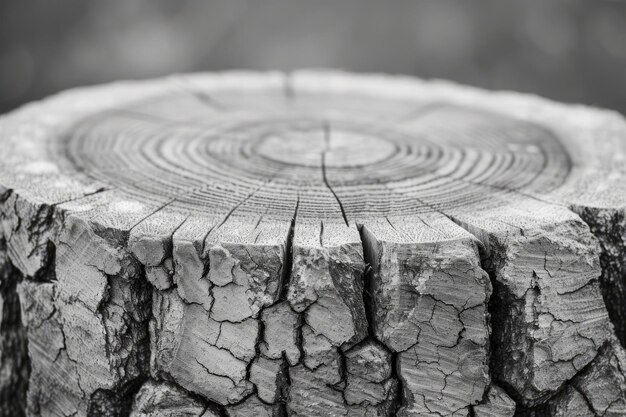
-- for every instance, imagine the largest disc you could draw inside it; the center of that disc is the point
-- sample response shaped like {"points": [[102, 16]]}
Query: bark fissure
{"points": [[14, 360], [609, 227], [287, 266]]}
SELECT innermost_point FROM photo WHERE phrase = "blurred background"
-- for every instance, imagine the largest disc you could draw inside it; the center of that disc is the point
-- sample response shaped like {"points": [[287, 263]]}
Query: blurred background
{"points": [[569, 50]]}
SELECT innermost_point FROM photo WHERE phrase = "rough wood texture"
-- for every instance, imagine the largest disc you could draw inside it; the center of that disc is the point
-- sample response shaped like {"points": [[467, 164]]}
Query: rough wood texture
{"points": [[312, 244]]}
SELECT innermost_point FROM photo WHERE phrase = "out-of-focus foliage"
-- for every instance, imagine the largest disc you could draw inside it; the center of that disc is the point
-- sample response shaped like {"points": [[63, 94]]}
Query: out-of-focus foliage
{"points": [[570, 50]]}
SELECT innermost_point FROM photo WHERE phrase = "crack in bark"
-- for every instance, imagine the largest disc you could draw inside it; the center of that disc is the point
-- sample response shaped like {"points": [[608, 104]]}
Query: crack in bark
{"points": [[368, 292], [14, 360], [609, 227], [287, 266]]}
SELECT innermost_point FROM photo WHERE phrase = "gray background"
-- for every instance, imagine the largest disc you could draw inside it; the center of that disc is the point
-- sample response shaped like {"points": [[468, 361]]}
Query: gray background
{"points": [[569, 50]]}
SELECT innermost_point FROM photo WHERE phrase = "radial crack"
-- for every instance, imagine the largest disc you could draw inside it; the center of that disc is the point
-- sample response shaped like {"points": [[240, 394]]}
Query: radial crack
{"points": [[325, 178]]}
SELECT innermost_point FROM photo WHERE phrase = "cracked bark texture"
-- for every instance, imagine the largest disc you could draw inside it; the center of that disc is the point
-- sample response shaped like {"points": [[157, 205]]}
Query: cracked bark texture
{"points": [[14, 365], [311, 244]]}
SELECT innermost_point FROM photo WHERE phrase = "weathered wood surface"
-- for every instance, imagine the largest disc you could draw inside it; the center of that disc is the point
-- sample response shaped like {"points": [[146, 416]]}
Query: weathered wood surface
{"points": [[312, 244]]}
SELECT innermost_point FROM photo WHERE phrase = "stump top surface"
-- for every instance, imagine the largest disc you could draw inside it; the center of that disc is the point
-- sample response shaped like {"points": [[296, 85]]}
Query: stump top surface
{"points": [[336, 148]]}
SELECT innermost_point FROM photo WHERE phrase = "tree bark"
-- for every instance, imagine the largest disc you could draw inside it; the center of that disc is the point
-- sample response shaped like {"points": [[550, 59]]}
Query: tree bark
{"points": [[312, 244]]}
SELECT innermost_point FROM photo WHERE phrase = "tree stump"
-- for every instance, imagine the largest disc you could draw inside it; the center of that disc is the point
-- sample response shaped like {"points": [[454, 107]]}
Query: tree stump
{"points": [[311, 244]]}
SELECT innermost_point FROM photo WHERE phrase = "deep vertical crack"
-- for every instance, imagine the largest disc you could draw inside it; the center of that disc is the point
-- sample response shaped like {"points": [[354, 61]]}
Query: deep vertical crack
{"points": [[47, 272], [371, 265], [117, 402], [400, 399], [283, 384], [285, 274], [490, 262], [609, 228], [14, 360], [368, 281]]}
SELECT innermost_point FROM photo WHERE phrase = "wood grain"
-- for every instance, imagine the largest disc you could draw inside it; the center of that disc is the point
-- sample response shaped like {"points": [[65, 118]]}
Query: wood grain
{"points": [[311, 244]]}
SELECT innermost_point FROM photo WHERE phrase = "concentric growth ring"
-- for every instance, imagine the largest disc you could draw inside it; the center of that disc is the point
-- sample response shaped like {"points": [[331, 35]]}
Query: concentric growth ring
{"points": [[444, 155]]}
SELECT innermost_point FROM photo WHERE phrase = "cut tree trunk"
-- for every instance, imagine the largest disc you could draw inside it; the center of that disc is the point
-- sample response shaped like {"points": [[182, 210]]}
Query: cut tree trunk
{"points": [[312, 244]]}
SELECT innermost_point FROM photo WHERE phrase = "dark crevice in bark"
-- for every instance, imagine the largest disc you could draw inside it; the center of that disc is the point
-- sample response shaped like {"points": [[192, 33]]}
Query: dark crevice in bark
{"points": [[609, 227], [280, 412], [343, 373], [115, 237], [14, 360], [217, 409], [206, 267], [300, 337], [400, 398], [285, 273], [369, 275], [47, 272], [537, 411], [497, 318], [41, 221], [491, 261], [114, 403], [145, 295], [257, 345], [136, 339], [368, 281], [283, 384], [4, 196]]}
